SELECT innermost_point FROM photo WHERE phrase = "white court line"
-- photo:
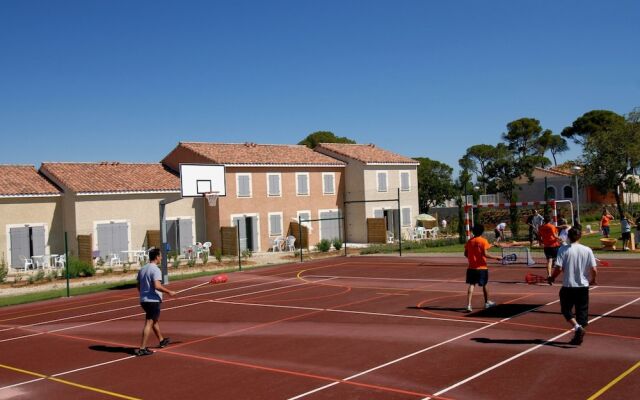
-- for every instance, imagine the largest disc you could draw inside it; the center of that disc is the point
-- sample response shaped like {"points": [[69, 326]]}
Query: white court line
{"points": [[418, 352], [335, 310], [508, 360], [137, 305], [439, 280]]}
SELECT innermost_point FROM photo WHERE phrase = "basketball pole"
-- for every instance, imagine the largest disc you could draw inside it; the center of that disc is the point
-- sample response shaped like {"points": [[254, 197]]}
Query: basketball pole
{"points": [[163, 239]]}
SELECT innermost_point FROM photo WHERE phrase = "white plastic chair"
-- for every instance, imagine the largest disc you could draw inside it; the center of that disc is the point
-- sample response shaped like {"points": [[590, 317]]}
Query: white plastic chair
{"points": [[26, 262], [291, 243], [277, 244], [60, 261], [434, 232], [115, 260], [206, 246], [389, 237]]}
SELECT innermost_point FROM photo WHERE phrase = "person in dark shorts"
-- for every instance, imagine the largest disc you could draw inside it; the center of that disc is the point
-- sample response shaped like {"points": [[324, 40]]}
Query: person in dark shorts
{"points": [[551, 242], [151, 289], [477, 272], [578, 264]]}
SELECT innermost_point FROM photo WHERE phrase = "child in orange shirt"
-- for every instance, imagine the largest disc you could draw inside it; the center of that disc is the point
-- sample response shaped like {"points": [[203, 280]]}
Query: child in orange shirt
{"points": [[604, 222], [477, 273], [551, 242]]}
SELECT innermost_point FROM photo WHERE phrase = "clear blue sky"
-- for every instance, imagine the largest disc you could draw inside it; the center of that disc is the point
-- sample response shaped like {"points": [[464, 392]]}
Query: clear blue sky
{"points": [[126, 80]]}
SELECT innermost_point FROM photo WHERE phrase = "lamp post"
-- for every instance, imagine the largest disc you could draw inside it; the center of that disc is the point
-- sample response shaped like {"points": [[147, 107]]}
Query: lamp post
{"points": [[473, 217], [576, 170]]}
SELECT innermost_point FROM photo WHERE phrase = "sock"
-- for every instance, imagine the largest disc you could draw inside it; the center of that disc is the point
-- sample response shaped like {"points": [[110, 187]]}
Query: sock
{"points": [[577, 327]]}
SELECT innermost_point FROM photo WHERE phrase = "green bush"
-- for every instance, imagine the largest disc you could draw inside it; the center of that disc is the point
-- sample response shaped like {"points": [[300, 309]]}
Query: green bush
{"points": [[191, 262], [205, 258], [217, 253], [51, 276], [337, 244], [39, 275], [79, 268], [4, 270], [247, 253], [324, 245]]}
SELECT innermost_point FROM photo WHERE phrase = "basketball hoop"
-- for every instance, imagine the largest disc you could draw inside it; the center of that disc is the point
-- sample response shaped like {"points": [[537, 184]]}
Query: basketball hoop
{"points": [[212, 198]]}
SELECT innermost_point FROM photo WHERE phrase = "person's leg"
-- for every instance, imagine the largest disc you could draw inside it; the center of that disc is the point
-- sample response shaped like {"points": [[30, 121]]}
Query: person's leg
{"points": [[486, 294], [156, 330], [582, 307], [146, 331], [549, 266], [566, 307], [469, 296]]}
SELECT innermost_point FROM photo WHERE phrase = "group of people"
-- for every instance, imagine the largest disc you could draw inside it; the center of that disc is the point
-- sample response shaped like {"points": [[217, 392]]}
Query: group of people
{"points": [[625, 227], [575, 260]]}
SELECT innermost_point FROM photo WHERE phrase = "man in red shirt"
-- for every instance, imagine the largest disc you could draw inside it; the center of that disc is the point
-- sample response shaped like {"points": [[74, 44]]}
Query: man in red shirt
{"points": [[477, 273], [549, 236], [604, 222]]}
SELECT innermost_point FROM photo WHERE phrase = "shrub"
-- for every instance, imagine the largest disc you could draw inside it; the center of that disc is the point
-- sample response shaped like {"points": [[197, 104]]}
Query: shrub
{"points": [[3, 268], [205, 258], [51, 276], [217, 253], [337, 244], [247, 253], [126, 267], [324, 245], [79, 268], [39, 275], [191, 262], [31, 279], [108, 271]]}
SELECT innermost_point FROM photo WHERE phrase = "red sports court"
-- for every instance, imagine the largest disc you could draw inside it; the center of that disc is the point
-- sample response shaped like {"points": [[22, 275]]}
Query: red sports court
{"points": [[343, 328]]}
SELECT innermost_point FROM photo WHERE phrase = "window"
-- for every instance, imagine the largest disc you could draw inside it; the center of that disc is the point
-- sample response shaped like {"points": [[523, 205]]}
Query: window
{"points": [[405, 181], [330, 227], [567, 192], [305, 215], [26, 241], [275, 224], [112, 238], [551, 192], [302, 184], [180, 234], [328, 183], [382, 181], [273, 185], [406, 216], [243, 185]]}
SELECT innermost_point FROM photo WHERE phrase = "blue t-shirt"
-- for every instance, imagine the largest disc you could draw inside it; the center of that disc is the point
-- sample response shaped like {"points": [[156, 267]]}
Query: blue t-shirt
{"points": [[146, 278], [625, 226]]}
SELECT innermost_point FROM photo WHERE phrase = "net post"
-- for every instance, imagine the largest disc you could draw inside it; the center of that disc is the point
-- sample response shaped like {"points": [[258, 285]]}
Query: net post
{"points": [[399, 224], [300, 236]]}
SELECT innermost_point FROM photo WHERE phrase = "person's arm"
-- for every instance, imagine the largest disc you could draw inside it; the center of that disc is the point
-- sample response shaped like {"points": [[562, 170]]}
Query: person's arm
{"points": [[486, 254], [594, 275], [158, 286]]}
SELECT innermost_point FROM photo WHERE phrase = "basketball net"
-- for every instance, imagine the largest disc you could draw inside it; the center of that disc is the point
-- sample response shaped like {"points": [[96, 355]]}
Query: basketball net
{"points": [[212, 198]]}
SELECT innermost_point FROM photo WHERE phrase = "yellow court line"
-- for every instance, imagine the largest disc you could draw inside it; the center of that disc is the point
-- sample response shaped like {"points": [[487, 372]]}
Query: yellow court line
{"points": [[613, 382], [93, 389]]}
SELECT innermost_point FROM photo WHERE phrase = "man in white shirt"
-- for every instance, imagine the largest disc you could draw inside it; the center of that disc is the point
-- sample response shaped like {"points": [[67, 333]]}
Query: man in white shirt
{"points": [[578, 264]]}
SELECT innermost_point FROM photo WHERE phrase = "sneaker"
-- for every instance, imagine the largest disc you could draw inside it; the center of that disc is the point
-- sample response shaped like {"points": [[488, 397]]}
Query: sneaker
{"points": [[626, 249], [468, 309], [489, 304], [578, 337], [142, 352], [165, 342]]}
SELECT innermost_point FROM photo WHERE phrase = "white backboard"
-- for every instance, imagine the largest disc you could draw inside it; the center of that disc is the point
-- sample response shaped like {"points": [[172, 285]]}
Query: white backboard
{"points": [[198, 179]]}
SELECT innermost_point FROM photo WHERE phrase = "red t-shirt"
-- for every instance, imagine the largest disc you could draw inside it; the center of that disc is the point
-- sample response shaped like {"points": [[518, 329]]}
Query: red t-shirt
{"points": [[605, 220], [475, 250], [548, 233]]}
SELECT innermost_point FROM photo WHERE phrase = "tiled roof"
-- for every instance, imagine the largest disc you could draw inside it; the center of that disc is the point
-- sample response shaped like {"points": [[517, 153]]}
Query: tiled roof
{"points": [[257, 154], [367, 153], [555, 171], [111, 177], [24, 181]]}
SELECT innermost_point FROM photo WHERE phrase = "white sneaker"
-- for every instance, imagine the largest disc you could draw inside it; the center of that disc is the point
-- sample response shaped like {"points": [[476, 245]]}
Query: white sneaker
{"points": [[489, 304], [626, 249], [469, 309]]}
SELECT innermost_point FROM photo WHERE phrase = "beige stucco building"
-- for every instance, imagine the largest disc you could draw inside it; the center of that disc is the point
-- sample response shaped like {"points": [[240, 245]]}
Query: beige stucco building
{"points": [[376, 176], [118, 203], [268, 187], [30, 217]]}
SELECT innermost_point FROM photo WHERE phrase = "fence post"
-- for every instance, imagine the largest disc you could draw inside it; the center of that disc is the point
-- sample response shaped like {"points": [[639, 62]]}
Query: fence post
{"points": [[399, 223], [66, 258], [238, 243], [300, 236]]}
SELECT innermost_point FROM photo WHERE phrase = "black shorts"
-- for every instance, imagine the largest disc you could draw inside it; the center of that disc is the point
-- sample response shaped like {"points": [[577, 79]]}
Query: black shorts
{"points": [[497, 233], [626, 235], [478, 277], [551, 252], [578, 298], [152, 309]]}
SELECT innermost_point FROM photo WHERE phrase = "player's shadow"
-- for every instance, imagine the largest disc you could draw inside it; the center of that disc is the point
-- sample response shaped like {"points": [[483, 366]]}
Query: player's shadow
{"points": [[124, 286], [505, 310], [113, 349], [562, 345], [431, 308]]}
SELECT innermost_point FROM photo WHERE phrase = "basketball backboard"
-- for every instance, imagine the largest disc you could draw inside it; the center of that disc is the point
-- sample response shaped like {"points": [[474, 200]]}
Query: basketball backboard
{"points": [[198, 179]]}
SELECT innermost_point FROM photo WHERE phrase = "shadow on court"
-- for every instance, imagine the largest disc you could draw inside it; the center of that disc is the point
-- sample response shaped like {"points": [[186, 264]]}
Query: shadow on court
{"points": [[562, 345], [504, 310], [113, 349], [124, 287], [431, 308]]}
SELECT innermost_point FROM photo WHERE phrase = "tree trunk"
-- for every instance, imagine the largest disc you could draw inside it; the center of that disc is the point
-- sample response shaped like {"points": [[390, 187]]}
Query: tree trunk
{"points": [[618, 196], [462, 238]]}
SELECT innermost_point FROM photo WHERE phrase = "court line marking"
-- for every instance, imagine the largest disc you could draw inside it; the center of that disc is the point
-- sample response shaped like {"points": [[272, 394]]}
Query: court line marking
{"points": [[137, 305], [65, 382], [522, 353], [613, 382], [351, 311], [416, 353]]}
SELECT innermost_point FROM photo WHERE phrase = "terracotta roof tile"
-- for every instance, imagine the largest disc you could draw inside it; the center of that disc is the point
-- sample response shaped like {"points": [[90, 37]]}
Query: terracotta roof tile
{"points": [[258, 154], [112, 177], [555, 171], [24, 180], [367, 153]]}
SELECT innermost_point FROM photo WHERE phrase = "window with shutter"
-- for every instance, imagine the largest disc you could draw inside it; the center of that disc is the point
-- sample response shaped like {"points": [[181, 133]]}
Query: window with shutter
{"points": [[243, 185], [405, 186], [382, 181], [302, 184], [406, 216], [273, 183], [275, 224], [328, 184]]}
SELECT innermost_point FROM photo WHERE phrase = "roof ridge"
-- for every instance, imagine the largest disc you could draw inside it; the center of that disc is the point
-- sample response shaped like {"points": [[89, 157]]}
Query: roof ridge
{"points": [[17, 165]]}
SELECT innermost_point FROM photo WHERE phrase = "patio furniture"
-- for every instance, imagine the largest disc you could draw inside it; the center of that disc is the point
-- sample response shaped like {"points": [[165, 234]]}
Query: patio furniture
{"points": [[291, 243], [60, 261], [278, 244], [114, 260], [26, 262]]}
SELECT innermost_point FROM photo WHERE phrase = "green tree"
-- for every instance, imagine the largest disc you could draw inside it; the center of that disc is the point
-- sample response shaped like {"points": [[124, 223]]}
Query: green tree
{"points": [[476, 160], [435, 183], [555, 144], [313, 139], [610, 152], [595, 121]]}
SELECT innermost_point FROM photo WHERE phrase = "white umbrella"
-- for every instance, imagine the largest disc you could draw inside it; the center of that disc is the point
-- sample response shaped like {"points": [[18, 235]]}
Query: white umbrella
{"points": [[425, 217]]}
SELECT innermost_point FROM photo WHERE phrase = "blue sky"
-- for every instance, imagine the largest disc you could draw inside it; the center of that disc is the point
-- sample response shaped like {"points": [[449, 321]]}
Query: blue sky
{"points": [[126, 80]]}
